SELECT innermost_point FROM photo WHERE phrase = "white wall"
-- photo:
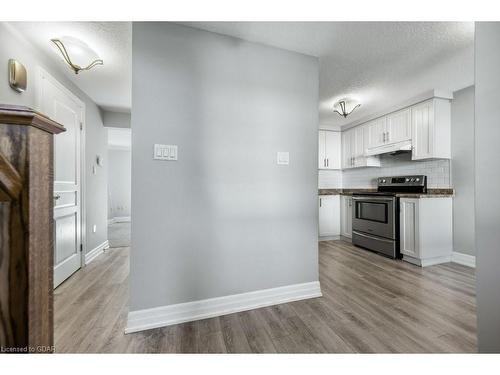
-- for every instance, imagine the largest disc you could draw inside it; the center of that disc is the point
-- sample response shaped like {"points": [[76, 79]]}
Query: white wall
{"points": [[462, 170], [12, 45], [119, 183], [116, 119], [225, 218], [487, 181]]}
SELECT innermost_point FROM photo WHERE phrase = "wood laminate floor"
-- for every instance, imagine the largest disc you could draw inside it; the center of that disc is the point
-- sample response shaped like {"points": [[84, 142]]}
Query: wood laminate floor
{"points": [[370, 304]]}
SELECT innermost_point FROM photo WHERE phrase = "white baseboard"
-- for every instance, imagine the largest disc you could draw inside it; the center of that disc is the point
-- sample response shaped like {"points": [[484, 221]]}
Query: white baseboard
{"points": [[122, 219], [94, 253], [463, 259], [186, 312], [427, 261], [119, 219]]}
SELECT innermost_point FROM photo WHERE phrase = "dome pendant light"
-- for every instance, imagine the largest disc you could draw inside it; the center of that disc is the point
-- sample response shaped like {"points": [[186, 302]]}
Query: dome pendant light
{"points": [[82, 56], [341, 107]]}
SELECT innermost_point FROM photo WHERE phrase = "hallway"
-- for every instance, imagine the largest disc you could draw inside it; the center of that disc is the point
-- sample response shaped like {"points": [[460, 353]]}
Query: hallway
{"points": [[119, 234]]}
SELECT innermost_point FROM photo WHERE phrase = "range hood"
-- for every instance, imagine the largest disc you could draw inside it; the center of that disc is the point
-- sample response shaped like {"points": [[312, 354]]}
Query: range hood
{"points": [[391, 149]]}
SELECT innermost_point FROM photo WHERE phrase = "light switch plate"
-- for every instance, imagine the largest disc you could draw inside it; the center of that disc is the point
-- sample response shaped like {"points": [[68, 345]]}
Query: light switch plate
{"points": [[283, 158], [165, 152]]}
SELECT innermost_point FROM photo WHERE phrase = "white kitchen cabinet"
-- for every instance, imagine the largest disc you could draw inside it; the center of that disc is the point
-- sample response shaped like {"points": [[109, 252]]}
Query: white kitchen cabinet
{"points": [[390, 130], [376, 132], [348, 149], [398, 126], [329, 150], [425, 225], [329, 216], [346, 216], [431, 129], [353, 146], [408, 225]]}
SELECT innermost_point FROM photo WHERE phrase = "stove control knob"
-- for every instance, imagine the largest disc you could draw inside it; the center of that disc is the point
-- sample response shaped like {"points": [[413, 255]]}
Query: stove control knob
{"points": [[417, 179], [412, 180], [383, 181], [407, 179]]}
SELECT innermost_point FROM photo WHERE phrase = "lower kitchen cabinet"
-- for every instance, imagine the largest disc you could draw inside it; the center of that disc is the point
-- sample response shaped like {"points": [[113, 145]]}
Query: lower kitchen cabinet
{"points": [[329, 216], [346, 216], [426, 226]]}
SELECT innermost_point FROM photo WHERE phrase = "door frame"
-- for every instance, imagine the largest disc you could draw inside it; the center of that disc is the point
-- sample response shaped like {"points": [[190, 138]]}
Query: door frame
{"points": [[40, 76]]}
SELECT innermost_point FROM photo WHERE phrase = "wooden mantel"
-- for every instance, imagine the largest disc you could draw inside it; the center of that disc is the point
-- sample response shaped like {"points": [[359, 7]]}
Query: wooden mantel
{"points": [[26, 229]]}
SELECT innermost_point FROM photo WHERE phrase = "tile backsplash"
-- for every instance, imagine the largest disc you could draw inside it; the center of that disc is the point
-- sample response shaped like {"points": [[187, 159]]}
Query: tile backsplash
{"points": [[438, 173], [329, 179]]}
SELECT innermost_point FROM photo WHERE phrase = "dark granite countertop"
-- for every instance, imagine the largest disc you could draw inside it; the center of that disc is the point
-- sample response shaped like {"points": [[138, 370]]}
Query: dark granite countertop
{"points": [[431, 192]]}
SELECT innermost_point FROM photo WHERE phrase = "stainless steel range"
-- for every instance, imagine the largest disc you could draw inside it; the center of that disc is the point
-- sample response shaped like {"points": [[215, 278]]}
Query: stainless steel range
{"points": [[375, 216]]}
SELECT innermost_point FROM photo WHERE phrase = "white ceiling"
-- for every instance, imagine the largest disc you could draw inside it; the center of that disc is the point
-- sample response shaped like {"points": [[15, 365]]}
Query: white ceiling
{"points": [[110, 85], [377, 63]]}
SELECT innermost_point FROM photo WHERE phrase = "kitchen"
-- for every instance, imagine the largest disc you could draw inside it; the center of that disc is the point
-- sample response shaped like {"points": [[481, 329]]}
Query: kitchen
{"points": [[385, 181]]}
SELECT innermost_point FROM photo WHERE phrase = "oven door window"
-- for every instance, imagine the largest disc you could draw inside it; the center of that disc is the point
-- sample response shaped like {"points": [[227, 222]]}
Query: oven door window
{"points": [[372, 211]]}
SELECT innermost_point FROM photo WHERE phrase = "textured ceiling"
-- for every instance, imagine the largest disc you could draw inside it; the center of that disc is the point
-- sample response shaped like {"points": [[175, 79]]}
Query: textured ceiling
{"points": [[110, 85], [377, 63]]}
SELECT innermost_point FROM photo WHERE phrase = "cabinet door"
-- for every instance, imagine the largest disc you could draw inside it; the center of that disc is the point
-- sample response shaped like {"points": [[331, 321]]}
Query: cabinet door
{"points": [[346, 216], [321, 149], [359, 141], [422, 125], [408, 226], [399, 126], [332, 150], [329, 215], [346, 150], [376, 130]]}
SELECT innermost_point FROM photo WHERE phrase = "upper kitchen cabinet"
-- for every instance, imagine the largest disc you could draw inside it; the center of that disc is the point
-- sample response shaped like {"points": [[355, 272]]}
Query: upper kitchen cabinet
{"points": [[329, 150], [353, 149], [431, 129], [398, 126], [389, 132], [376, 130]]}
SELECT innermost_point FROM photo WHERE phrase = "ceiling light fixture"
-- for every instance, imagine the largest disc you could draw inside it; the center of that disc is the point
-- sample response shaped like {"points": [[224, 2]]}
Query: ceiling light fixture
{"points": [[82, 56], [345, 107]]}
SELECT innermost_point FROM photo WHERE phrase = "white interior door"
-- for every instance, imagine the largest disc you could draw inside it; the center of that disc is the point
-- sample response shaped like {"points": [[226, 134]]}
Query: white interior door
{"points": [[60, 105]]}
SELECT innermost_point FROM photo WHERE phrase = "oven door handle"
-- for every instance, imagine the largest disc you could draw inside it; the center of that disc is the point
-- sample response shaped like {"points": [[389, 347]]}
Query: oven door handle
{"points": [[371, 237], [373, 199]]}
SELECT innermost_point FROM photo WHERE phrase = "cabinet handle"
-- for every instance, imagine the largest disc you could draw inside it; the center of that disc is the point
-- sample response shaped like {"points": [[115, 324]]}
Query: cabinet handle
{"points": [[327, 162], [320, 202]]}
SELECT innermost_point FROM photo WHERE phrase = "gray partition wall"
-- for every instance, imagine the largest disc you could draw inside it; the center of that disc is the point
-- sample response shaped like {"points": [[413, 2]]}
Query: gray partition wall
{"points": [[224, 218], [487, 197]]}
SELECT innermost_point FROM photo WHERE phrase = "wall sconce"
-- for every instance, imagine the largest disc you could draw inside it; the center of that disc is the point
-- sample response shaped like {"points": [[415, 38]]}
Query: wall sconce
{"points": [[345, 107], [17, 76], [77, 54]]}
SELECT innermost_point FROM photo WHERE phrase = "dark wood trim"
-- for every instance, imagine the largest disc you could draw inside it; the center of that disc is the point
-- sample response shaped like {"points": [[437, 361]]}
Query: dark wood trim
{"points": [[26, 230], [20, 115]]}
